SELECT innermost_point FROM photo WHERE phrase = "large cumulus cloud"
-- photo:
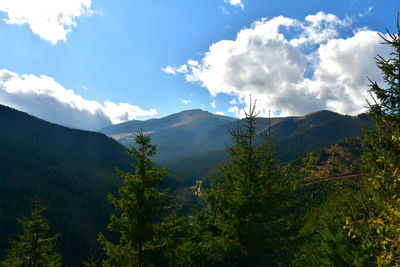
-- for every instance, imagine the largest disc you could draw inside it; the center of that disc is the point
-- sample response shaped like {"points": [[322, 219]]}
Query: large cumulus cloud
{"points": [[45, 98], [292, 67], [51, 20]]}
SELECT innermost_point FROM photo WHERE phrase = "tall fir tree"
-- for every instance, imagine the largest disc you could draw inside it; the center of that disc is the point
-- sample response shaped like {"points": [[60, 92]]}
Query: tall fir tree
{"points": [[34, 247], [246, 201], [377, 222], [173, 230], [139, 210]]}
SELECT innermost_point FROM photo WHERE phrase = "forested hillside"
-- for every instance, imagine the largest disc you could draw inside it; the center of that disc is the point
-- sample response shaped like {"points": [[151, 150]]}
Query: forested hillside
{"points": [[73, 170], [305, 134]]}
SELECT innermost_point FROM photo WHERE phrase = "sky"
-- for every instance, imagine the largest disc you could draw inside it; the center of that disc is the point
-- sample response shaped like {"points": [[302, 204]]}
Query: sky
{"points": [[88, 64]]}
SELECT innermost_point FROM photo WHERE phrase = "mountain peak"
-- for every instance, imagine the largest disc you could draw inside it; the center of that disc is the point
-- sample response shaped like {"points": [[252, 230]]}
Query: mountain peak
{"points": [[323, 113]]}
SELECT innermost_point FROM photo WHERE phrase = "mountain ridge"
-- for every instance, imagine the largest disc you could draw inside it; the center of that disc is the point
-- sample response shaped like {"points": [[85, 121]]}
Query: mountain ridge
{"points": [[196, 132], [168, 121]]}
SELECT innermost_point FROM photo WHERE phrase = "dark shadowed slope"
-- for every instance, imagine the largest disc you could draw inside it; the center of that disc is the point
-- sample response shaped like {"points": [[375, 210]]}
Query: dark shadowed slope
{"points": [[72, 169]]}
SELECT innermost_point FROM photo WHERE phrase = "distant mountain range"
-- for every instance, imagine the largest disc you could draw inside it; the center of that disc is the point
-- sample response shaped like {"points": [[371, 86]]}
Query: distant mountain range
{"points": [[194, 141], [183, 134]]}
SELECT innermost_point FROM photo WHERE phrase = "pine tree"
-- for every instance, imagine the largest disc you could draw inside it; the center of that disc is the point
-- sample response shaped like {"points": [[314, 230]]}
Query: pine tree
{"points": [[377, 222], [173, 231], [207, 243], [245, 201], [139, 207], [34, 247]]}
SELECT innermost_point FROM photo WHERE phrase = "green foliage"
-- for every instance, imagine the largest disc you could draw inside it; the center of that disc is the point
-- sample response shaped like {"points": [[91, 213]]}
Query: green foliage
{"points": [[91, 262], [305, 134], [318, 135], [243, 221], [75, 169], [172, 232], [139, 206], [377, 222], [34, 247], [206, 243], [323, 206], [326, 238]]}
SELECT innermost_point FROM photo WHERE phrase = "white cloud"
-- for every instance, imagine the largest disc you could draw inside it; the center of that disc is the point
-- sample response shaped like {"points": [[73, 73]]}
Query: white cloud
{"points": [[319, 28], [169, 69], [366, 12], [293, 66], [83, 87], [340, 76], [235, 3], [213, 104], [184, 101], [182, 69], [220, 113], [234, 110], [121, 112], [45, 98], [174, 70], [51, 20]]}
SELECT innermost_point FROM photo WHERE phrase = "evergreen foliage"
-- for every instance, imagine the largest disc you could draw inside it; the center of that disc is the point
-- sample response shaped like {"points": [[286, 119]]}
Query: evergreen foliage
{"points": [[172, 233], [325, 239], [321, 206], [75, 170], [34, 247], [207, 243], [139, 207], [243, 220], [294, 139], [377, 222]]}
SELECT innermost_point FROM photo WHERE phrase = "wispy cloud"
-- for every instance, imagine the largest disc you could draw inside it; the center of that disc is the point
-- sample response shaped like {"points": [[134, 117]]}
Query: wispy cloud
{"points": [[223, 10], [370, 8], [185, 101], [169, 69], [83, 87], [174, 70]]}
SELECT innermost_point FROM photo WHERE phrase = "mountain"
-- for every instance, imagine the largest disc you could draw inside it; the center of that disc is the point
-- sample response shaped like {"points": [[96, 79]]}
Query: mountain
{"points": [[194, 142], [174, 120], [183, 134], [72, 169], [299, 136]]}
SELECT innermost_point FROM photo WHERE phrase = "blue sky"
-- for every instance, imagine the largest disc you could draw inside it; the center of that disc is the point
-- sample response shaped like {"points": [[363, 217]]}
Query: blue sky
{"points": [[90, 63]]}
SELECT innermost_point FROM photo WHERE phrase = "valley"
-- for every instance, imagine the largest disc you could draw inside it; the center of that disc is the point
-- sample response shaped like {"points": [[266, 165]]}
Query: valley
{"points": [[74, 170]]}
